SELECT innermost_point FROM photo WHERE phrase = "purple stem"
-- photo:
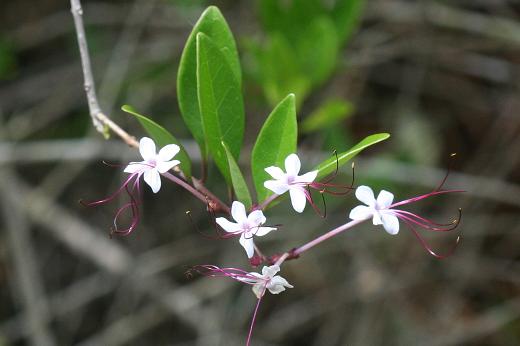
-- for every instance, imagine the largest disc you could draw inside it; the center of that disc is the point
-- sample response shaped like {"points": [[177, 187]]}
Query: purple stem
{"points": [[268, 201], [248, 342], [185, 185], [298, 251], [204, 198]]}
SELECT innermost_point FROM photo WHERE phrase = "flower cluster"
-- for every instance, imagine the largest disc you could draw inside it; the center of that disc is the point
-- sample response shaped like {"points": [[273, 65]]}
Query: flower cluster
{"points": [[248, 224]]}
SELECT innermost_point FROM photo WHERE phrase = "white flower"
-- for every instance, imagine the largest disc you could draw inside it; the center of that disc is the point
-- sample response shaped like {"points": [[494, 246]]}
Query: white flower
{"points": [[267, 280], [154, 163], [246, 225], [379, 210], [291, 181]]}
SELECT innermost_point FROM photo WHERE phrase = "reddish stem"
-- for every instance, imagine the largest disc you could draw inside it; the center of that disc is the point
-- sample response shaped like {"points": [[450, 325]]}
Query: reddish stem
{"points": [[296, 252]]}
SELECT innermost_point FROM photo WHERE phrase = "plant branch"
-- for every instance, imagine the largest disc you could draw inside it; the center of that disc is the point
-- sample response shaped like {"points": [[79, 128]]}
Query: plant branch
{"points": [[296, 252], [99, 119], [267, 201], [102, 122]]}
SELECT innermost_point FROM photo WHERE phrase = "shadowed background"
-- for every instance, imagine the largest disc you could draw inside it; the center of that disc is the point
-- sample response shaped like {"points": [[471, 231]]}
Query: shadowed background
{"points": [[441, 77]]}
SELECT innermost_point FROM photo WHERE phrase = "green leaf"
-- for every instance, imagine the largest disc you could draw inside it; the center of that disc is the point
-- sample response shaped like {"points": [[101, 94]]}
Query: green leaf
{"points": [[277, 139], [327, 115], [329, 165], [237, 179], [162, 137], [290, 17], [318, 63], [346, 15], [213, 24], [220, 102], [280, 71]]}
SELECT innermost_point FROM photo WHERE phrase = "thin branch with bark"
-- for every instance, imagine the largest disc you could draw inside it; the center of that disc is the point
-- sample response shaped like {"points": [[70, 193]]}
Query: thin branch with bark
{"points": [[101, 122]]}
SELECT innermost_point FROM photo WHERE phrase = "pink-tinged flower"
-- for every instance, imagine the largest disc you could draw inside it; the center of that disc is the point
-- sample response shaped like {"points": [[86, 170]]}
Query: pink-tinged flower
{"points": [[299, 185], [267, 280], [383, 212], [154, 164], [150, 168], [246, 226], [291, 181]]}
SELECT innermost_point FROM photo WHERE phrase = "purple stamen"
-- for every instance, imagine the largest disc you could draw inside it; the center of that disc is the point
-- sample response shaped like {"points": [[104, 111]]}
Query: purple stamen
{"points": [[427, 221], [233, 273], [309, 198], [427, 247], [421, 197], [133, 204]]}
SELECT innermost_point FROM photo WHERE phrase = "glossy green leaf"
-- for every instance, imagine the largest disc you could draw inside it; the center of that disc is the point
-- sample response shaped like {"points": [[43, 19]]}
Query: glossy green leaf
{"points": [[213, 24], [328, 114], [329, 165], [277, 139], [162, 137], [237, 179], [220, 102]]}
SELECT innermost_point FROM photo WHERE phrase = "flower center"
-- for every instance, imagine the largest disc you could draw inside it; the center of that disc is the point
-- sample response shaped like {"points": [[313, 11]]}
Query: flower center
{"points": [[152, 163]]}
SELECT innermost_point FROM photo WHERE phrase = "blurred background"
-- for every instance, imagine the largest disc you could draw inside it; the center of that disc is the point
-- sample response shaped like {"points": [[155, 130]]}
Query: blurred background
{"points": [[440, 76]]}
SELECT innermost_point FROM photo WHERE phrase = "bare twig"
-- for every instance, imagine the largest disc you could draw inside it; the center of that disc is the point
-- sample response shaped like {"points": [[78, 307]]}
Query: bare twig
{"points": [[99, 119], [93, 104]]}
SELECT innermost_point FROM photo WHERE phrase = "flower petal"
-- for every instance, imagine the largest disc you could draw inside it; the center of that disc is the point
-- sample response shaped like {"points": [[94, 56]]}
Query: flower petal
{"points": [[390, 223], [227, 225], [365, 195], [168, 152], [269, 272], [361, 212], [261, 231], [134, 167], [256, 218], [147, 148], [259, 289], [376, 218], [238, 211], [277, 285], [307, 177], [164, 167], [275, 172], [298, 199], [248, 245], [153, 179], [276, 186], [292, 165], [384, 199]]}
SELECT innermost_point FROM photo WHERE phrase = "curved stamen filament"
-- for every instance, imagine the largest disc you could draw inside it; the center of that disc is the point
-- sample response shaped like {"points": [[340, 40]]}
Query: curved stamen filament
{"points": [[421, 197], [448, 170], [135, 216], [233, 273], [427, 224], [110, 197], [335, 174], [427, 247], [308, 196]]}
